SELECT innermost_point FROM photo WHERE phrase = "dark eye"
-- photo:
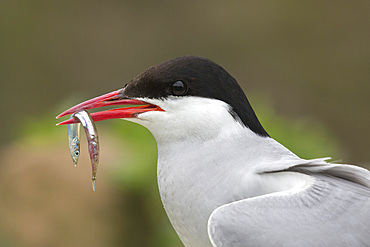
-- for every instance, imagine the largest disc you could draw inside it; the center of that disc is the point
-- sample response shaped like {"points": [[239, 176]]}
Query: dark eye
{"points": [[179, 88]]}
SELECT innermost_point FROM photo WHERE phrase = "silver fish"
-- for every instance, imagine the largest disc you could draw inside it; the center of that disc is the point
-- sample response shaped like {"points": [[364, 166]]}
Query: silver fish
{"points": [[74, 141], [92, 141]]}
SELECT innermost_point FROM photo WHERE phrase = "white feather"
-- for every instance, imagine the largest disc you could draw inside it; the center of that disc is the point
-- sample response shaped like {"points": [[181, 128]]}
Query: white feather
{"points": [[208, 160]]}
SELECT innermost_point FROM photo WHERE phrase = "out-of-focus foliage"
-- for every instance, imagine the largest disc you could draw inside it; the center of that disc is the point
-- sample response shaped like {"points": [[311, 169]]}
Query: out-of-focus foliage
{"points": [[305, 137]]}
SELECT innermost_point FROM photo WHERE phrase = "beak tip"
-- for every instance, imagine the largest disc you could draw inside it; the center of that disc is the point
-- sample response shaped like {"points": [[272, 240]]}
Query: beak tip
{"points": [[61, 115]]}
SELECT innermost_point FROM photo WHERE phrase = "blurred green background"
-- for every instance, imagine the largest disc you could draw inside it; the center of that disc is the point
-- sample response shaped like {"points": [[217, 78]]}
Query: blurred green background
{"points": [[303, 64]]}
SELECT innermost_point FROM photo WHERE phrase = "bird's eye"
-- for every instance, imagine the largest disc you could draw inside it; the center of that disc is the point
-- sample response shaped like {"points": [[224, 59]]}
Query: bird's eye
{"points": [[179, 88]]}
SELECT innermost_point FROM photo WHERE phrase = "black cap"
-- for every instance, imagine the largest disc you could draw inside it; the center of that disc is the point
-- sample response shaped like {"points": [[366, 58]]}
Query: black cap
{"points": [[202, 78]]}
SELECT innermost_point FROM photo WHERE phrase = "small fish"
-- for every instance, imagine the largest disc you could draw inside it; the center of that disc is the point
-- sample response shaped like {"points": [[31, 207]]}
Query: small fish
{"points": [[92, 140], [74, 141]]}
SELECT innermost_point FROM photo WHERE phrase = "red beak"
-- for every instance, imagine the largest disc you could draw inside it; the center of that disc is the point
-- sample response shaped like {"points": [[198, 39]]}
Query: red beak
{"points": [[113, 98]]}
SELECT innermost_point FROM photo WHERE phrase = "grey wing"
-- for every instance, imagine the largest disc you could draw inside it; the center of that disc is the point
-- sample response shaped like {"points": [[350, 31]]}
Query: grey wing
{"points": [[330, 212]]}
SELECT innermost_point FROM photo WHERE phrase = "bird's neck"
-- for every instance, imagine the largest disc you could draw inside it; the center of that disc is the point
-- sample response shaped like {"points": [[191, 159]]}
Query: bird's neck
{"points": [[226, 144], [197, 175]]}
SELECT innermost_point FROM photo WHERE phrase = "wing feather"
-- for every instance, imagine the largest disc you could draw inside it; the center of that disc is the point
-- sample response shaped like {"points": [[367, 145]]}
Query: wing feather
{"points": [[329, 212]]}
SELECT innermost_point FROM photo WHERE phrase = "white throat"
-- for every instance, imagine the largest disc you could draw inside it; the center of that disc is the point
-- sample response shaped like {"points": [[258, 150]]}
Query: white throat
{"points": [[198, 142], [188, 118]]}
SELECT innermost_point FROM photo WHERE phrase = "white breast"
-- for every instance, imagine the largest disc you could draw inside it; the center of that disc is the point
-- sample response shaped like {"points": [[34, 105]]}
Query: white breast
{"points": [[206, 159]]}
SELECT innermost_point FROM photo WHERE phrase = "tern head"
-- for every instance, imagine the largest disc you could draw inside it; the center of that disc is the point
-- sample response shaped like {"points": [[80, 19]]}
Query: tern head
{"points": [[180, 98]]}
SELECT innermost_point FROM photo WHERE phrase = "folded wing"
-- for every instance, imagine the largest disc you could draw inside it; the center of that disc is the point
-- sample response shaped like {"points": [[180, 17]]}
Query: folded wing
{"points": [[332, 211]]}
